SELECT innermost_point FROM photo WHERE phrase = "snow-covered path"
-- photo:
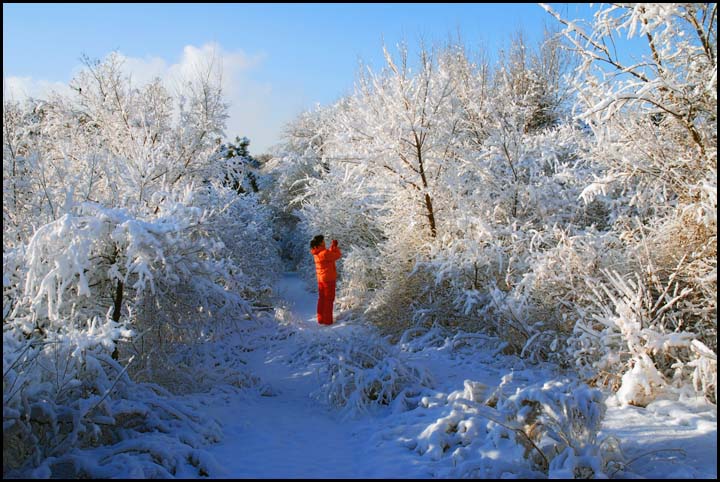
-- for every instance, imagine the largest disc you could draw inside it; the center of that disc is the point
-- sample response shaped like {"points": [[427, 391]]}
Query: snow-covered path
{"points": [[285, 435], [288, 434]]}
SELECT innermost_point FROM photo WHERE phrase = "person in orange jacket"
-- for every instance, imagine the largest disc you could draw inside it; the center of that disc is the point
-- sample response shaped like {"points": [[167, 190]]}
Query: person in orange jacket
{"points": [[326, 276]]}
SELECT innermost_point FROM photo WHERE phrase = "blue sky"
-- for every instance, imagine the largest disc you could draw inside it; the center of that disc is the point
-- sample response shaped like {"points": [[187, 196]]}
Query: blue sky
{"points": [[279, 59]]}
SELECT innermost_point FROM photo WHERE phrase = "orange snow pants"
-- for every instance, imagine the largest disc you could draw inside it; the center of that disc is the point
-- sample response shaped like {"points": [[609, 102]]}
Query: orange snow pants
{"points": [[326, 298]]}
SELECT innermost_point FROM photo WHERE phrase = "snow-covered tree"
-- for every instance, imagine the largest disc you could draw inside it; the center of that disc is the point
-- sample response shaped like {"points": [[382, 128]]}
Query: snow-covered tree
{"points": [[472, 196], [120, 246], [655, 125]]}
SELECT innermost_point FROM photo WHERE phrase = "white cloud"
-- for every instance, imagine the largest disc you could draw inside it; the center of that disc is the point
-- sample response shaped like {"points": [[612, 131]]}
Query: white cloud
{"points": [[20, 88], [257, 111], [250, 113], [143, 71]]}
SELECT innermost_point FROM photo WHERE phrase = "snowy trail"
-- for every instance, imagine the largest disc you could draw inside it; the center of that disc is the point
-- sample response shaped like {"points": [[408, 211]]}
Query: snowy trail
{"points": [[288, 434]]}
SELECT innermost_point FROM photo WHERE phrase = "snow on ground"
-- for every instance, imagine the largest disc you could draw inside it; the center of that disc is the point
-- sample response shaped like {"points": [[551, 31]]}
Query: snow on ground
{"points": [[289, 434], [282, 431], [667, 439]]}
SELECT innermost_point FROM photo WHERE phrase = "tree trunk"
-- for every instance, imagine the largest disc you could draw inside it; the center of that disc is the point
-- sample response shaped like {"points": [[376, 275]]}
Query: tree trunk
{"points": [[430, 215], [428, 200], [116, 312]]}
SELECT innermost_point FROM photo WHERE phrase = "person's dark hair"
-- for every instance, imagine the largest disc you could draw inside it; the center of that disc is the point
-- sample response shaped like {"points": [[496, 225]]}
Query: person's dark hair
{"points": [[317, 241]]}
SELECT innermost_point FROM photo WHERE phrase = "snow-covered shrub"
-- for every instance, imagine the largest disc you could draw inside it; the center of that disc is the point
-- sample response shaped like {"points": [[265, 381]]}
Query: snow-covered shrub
{"points": [[639, 339], [63, 328], [553, 292], [562, 419], [245, 227], [361, 278], [443, 338], [369, 371], [216, 360], [655, 129], [101, 257], [361, 369], [548, 429], [18, 194], [704, 370], [65, 395], [397, 305], [13, 274], [72, 266]]}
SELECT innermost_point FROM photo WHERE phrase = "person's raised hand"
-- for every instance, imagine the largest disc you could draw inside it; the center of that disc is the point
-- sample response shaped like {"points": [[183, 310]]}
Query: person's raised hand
{"points": [[334, 242]]}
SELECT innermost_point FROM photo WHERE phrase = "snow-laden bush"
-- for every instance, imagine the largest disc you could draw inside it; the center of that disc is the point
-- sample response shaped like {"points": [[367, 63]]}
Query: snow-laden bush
{"points": [[407, 298], [245, 228], [361, 276], [492, 237], [87, 279], [441, 338], [65, 395], [361, 369], [104, 260], [537, 316], [562, 419], [704, 368], [13, 273], [655, 128], [369, 373], [643, 349], [549, 429]]}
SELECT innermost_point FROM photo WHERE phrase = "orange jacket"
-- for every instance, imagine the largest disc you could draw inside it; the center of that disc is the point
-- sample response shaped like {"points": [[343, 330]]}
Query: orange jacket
{"points": [[325, 262]]}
